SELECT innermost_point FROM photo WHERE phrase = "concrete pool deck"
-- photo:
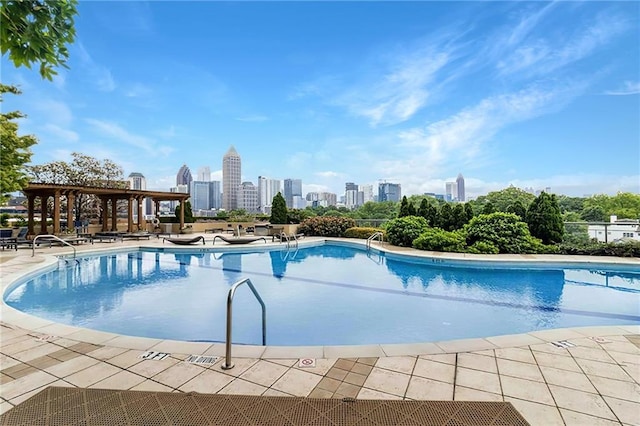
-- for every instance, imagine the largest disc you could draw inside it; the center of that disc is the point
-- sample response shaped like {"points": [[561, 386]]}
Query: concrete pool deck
{"points": [[592, 379]]}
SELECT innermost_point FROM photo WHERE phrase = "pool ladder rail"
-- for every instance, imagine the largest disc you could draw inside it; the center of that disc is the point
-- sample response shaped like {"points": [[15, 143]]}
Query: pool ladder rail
{"points": [[289, 238], [33, 244], [228, 364], [375, 235]]}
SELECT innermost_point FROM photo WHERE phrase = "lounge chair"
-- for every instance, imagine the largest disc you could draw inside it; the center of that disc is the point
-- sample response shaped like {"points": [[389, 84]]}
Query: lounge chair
{"points": [[21, 238], [136, 236], [238, 240], [184, 241]]}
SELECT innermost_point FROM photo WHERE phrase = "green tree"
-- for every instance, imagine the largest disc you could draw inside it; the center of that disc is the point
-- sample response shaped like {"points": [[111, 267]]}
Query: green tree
{"points": [[83, 170], [14, 149], [488, 208], [468, 210], [405, 208], [445, 217], [518, 209], [624, 205], [459, 217], [545, 220], [435, 239], [37, 31], [278, 210], [594, 214], [371, 210], [570, 204], [188, 213], [502, 199]]}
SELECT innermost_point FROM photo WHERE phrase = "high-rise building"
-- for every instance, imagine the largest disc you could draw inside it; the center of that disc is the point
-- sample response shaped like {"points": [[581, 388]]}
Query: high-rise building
{"points": [[231, 179], [204, 174], [216, 196], [137, 181], [200, 192], [292, 188], [389, 192], [267, 189], [248, 197], [451, 191], [351, 198], [322, 199], [181, 188], [184, 176], [367, 193], [350, 186], [460, 183]]}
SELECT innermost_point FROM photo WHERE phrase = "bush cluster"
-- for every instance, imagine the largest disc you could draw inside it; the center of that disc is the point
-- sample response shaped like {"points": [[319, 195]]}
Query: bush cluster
{"points": [[403, 230], [436, 239], [624, 249], [361, 232], [326, 226]]}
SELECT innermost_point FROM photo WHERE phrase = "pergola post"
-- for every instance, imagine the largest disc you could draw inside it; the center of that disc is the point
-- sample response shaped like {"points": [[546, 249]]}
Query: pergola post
{"points": [[70, 201], [140, 215], [44, 199], [56, 213], [105, 213], [182, 205], [130, 213], [31, 204], [114, 214]]}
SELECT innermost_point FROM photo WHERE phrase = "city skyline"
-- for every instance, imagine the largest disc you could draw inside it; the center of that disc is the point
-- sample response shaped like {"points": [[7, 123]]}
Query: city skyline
{"points": [[415, 93]]}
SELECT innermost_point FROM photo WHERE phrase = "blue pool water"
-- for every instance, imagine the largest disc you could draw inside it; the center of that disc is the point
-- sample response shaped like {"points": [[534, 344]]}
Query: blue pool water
{"points": [[324, 295]]}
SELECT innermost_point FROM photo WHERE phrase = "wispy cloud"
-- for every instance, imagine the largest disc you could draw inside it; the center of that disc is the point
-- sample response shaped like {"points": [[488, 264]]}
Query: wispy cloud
{"points": [[253, 118], [137, 90], [62, 134], [118, 133], [402, 89], [628, 88], [329, 174], [460, 138], [540, 56], [99, 74]]}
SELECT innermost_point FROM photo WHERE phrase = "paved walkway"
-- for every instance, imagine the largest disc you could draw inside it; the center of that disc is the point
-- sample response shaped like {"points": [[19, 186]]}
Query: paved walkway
{"points": [[582, 376]]}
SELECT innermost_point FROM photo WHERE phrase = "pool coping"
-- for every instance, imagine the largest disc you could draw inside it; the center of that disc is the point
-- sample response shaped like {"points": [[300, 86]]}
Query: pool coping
{"points": [[15, 271]]}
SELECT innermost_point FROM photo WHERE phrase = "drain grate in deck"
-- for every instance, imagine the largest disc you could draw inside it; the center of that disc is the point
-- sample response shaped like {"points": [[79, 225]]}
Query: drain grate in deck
{"points": [[58, 405]]}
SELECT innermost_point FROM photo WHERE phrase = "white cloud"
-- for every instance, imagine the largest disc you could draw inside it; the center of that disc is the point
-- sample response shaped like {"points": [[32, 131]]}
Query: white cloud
{"points": [[628, 88], [64, 135], [118, 133], [314, 187], [137, 90], [545, 55], [329, 174], [55, 111]]}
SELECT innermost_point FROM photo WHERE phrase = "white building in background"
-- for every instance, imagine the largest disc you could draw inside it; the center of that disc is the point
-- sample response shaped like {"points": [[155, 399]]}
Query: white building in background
{"points": [[351, 198], [451, 191], [182, 189], [204, 174], [267, 189], [231, 179], [138, 181], [321, 199], [298, 202], [615, 230], [460, 194], [292, 188], [248, 197], [367, 193]]}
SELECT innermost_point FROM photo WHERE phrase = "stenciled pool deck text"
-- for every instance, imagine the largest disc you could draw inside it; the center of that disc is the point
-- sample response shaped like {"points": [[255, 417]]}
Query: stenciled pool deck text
{"points": [[579, 376]]}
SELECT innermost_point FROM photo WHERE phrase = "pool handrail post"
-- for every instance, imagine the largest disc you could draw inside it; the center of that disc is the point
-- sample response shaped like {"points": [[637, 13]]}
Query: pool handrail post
{"points": [[373, 236], [227, 365]]}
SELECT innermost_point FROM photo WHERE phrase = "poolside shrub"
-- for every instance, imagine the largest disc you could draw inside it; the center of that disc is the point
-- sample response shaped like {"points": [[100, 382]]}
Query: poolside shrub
{"points": [[403, 230], [483, 247], [326, 226], [436, 239], [361, 232], [505, 231], [624, 249]]}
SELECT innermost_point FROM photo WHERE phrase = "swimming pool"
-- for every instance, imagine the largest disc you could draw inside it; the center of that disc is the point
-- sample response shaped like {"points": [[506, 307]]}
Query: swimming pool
{"points": [[328, 294]]}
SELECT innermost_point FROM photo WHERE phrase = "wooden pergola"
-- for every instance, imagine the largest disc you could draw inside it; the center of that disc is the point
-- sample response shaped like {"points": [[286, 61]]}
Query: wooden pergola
{"points": [[106, 195]]}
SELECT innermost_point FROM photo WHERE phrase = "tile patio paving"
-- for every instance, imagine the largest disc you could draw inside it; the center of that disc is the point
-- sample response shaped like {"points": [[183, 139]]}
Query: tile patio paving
{"points": [[597, 381]]}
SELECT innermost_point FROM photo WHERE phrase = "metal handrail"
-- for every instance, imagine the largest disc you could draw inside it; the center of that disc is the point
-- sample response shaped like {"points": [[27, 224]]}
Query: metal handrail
{"points": [[33, 244], [375, 235], [295, 238], [227, 365]]}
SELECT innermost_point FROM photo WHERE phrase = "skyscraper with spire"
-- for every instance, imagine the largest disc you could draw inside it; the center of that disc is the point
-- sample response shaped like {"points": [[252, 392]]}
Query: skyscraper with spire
{"points": [[231, 179], [184, 176], [460, 183]]}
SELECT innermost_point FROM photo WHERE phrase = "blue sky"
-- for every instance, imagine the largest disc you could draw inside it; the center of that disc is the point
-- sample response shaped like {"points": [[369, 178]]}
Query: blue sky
{"points": [[531, 94]]}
